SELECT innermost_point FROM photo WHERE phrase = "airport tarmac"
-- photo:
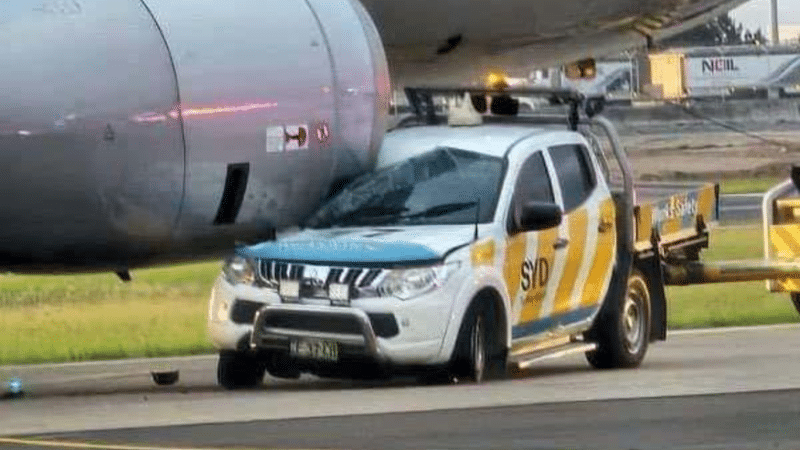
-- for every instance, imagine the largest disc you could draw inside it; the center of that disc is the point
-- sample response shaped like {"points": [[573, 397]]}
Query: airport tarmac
{"points": [[719, 388]]}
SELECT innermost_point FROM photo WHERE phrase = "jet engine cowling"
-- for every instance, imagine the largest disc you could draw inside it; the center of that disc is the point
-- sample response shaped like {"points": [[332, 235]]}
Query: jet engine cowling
{"points": [[142, 132]]}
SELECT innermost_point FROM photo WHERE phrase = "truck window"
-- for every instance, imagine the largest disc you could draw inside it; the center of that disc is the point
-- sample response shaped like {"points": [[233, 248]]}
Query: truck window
{"points": [[533, 185], [575, 174]]}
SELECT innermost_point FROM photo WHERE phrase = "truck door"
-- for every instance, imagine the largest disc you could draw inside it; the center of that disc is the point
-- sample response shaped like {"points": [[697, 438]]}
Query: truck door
{"points": [[588, 244], [530, 256]]}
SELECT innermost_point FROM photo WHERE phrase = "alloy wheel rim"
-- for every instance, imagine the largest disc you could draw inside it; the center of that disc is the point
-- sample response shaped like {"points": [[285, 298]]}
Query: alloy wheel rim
{"points": [[633, 322], [478, 349]]}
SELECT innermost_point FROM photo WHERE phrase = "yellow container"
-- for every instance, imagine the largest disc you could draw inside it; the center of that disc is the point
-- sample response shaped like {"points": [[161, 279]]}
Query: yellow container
{"points": [[666, 75]]}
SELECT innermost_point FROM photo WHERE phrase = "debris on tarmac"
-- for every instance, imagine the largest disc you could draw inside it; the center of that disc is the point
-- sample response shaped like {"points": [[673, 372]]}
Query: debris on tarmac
{"points": [[165, 377], [13, 389]]}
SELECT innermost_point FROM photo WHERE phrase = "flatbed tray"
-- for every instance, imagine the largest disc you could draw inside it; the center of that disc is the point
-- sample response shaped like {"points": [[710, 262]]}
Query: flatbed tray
{"points": [[673, 215]]}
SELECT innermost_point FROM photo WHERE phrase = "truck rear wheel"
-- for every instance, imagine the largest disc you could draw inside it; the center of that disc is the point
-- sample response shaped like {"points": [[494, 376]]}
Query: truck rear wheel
{"points": [[623, 332], [238, 370]]}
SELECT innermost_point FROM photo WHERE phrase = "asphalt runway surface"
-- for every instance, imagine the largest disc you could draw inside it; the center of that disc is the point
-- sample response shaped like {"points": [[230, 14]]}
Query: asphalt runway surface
{"points": [[740, 208], [729, 388]]}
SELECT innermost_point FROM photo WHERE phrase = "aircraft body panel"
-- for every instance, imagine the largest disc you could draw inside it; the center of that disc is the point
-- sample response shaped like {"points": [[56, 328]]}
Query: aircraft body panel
{"points": [[235, 84], [444, 41]]}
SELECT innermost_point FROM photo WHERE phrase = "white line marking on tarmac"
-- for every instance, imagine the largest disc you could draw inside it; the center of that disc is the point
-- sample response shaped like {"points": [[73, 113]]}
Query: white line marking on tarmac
{"points": [[742, 208], [717, 226], [696, 331], [81, 445], [752, 194]]}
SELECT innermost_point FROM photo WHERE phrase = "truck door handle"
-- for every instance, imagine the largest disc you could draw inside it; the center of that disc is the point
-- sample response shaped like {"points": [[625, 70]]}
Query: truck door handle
{"points": [[604, 226], [560, 243]]}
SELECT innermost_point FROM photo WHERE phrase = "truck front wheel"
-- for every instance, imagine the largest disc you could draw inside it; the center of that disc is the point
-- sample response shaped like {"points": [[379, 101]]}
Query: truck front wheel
{"points": [[238, 370], [622, 333], [479, 353]]}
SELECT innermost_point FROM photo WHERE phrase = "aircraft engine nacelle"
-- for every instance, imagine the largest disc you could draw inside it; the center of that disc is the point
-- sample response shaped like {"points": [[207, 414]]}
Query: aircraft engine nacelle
{"points": [[141, 132]]}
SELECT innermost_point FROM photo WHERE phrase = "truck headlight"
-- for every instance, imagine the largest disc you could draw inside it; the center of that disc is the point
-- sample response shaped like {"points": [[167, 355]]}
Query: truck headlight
{"points": [[409, 283], [239, 270], [218, 306]]}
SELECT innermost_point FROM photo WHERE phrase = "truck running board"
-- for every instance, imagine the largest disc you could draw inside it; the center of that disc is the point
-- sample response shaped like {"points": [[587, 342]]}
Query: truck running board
{"points": [[525, 360]]}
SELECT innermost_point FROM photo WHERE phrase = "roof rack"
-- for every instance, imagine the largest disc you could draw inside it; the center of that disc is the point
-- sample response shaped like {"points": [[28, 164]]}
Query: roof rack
{"points": [[424, 107]]}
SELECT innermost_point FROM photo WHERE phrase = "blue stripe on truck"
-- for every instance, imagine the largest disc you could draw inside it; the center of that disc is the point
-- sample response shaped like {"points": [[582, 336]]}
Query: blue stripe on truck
{"points": [[341, 251], [540, 326]]}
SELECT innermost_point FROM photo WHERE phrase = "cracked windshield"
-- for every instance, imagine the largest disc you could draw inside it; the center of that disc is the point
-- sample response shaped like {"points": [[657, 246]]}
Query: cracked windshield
{"points": [[444, 186]]}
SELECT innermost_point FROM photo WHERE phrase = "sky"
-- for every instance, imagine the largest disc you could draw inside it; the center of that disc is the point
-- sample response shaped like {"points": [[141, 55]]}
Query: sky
{"points": [[755, 14]]}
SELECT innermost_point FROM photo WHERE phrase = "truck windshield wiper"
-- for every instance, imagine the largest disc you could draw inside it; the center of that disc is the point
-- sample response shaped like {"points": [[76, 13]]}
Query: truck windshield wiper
{"points": [[440, 210], [372, 211]]}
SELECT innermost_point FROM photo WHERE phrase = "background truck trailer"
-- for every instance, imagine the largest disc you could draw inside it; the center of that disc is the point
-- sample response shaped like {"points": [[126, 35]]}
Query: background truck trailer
{"points": [[733, 71]]}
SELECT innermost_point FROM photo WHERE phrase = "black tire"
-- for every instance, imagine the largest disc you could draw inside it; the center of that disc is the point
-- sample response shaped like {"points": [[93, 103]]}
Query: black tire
{"points": [[281, 366], [239, 370], [479, 354], [795, 296], [622, 334]]}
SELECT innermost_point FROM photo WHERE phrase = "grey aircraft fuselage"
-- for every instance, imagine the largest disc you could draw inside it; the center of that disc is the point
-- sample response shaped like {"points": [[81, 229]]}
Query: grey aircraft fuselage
{"points": [[136, 133], [141, 132]]}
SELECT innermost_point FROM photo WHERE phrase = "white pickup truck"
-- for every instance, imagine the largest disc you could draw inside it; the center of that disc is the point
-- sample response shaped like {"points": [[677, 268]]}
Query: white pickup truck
{"points": [[469, 248]]}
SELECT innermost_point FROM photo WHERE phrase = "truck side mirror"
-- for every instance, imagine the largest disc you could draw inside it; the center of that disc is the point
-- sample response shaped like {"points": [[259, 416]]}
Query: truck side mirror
{"points": [[535, 216]]}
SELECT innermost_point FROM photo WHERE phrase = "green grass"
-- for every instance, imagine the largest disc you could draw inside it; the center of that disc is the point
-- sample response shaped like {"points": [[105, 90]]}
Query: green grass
{"points": [[88, 317], [748, 185], [730, 304], [163, 311]]}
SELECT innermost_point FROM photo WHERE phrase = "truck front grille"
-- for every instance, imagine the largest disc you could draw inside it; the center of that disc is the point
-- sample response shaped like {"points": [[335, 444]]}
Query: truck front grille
{"points": [[315, 280]]}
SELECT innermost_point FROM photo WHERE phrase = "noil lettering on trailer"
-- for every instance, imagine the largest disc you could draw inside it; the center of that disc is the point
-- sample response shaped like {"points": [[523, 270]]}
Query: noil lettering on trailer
{"points": [[719, 65]]}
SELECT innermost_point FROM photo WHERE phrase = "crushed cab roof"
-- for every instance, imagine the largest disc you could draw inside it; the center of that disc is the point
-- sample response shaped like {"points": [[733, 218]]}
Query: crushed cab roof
{"points": [[492, 140]]}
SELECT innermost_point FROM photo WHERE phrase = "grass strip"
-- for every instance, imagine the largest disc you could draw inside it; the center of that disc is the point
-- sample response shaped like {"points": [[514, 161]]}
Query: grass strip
{"points": [[163, 311], [93, 317], [748, 185], [730, 304]]}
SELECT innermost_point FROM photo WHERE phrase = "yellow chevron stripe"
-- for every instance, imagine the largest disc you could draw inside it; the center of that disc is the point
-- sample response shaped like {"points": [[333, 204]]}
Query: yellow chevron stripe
{"points": [[788, 285], [515, 256], [705, 202], [671, 226], [578, 222], [606, 245], [794, 231], [781, 248], [483, 253], [644, 223], [534, 299], [786, 240]]}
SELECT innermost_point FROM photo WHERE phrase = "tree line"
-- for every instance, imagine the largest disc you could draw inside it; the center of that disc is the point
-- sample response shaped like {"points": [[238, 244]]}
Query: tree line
{"points": [[722, 30]]}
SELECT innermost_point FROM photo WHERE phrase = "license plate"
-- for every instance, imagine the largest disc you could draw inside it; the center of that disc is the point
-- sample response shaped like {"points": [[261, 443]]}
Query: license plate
{"points": [[314, 349]]}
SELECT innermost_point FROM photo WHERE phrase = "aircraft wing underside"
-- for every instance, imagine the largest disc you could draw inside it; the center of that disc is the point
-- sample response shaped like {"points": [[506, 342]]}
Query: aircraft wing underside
{"points": [[447, 40]]}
